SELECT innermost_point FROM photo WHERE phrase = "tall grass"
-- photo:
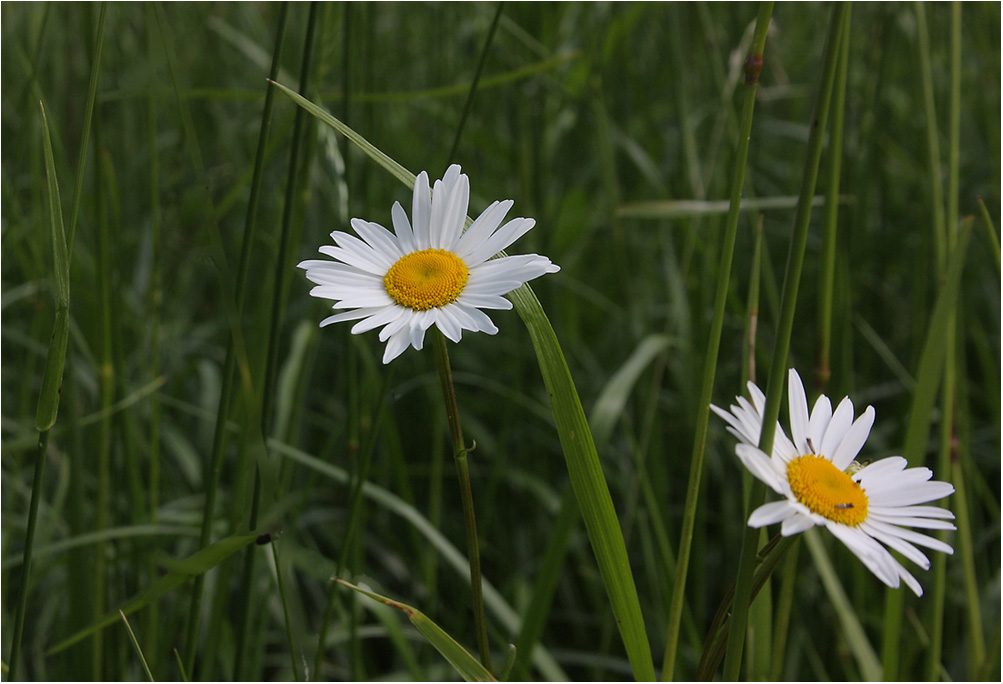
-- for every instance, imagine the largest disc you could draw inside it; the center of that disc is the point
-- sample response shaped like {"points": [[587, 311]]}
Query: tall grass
{"points": [[203, 410]]}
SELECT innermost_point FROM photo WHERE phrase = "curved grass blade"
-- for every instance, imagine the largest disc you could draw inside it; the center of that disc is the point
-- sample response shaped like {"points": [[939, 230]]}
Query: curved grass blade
{"points": [[586, 474], [458, 657], [494, 601], [52, 380], [609, 405], [135, 645], [197, 564]]}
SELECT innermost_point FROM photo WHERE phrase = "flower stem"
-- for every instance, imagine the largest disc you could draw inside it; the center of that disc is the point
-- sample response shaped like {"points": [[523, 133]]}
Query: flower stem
{"points": [[466, 494], [753, 67], [792, 278]]}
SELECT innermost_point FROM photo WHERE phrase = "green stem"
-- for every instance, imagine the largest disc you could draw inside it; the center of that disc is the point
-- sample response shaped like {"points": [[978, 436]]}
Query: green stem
{"points": [[285, 611], [822, 368], [473, 85], [932, 139], [29, 543], [463, 472], [249, 225], [753, 67], [792, 278]]}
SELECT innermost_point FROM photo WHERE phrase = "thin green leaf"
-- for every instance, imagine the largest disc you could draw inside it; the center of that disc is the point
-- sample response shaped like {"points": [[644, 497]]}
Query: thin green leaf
{"points": [[609, 406], [195, 565], [675, 209], [464, 663], [135, 645], [493, 600], [586, 474], [931, 360], [52, 378], [992, 237], [851, 629]]}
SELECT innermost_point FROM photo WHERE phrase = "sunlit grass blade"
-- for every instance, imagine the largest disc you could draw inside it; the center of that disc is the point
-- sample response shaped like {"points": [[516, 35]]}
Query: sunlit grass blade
{"points": [[851, 628], [678, 209], [594, 498], [181, 570], [611, 401], [464, 663], [838, 24], [753, 68], [137, 647]]}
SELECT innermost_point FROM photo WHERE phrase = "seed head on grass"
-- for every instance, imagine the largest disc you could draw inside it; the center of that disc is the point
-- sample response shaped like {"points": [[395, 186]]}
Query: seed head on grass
{"points": [[822, 484], [429, 272]]}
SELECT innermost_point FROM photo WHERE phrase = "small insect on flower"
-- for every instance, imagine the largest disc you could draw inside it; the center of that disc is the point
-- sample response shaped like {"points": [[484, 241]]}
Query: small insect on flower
{"points": [[866, 506], [428, 271]]}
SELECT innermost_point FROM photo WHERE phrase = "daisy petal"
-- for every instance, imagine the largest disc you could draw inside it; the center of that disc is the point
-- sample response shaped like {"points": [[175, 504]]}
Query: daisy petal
{"points": [[771, 513], [853, 440], [798, 405]]}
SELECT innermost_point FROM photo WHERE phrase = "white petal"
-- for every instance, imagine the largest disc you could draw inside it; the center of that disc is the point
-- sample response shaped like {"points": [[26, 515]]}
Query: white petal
{"points": [[455, 215], [483, 301], [796, 524], [798, 406], [771, 513], [379, 238], [821, 414], [471, 318], [853, 440], [841, 420], [891, 512], [481, 229], [395, 346], [875, 557], [758, 398], [421, 211], [505, 236], [448, 324], [379, 317], [884, 531], [759, 465], [349, 316], [402, 227]]}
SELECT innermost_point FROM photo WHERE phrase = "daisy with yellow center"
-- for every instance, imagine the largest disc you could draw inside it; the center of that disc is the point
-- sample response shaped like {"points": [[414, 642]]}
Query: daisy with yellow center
{"points": [[867, 508], [429, 271]]}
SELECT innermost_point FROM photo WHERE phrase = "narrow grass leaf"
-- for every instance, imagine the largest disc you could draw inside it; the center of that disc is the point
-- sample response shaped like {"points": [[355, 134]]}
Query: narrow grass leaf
{"points": [[850, 626], [576, 439], [992, 237], [136, 646], [493, 600], [52, 378], [464, 663], [931, 360], [613, 397], [195, 565], [676, 209]]}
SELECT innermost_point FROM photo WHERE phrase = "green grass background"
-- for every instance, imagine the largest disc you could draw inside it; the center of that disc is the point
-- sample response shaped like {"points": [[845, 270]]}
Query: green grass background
{"points": [[584, 113]]}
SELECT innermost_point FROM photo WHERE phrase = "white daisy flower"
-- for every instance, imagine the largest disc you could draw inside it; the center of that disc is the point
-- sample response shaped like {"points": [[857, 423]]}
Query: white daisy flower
{"points": [[431, 272], [863, 506]]}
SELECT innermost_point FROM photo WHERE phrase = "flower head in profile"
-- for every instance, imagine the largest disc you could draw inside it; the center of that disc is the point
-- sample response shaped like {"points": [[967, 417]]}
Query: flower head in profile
{"points": [[429, 271], [868, 508]]}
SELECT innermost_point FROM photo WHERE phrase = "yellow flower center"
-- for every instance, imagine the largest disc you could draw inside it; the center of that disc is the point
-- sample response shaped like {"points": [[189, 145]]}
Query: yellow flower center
{"points": [[426, 279], [826, 490]]}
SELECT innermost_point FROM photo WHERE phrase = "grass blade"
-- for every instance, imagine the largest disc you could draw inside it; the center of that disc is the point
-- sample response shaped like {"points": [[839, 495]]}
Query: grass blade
{"points": [[458, 657], [52, 380], [195, 565], [594, 498], [135, 645]]}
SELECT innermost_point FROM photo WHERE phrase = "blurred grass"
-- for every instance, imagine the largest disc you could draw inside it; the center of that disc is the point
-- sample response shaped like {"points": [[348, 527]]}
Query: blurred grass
{"points": [[582, 115]]}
